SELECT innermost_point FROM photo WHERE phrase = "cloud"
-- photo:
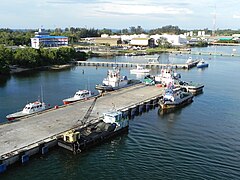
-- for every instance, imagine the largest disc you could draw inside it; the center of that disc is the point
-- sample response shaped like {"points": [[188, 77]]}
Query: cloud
{"points": [[73, 1], [236, 16], [142, 9], [134, 7]]}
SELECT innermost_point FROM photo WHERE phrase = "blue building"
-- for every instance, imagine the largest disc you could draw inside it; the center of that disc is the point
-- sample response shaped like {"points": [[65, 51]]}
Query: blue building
{"points": [[43, 39]]}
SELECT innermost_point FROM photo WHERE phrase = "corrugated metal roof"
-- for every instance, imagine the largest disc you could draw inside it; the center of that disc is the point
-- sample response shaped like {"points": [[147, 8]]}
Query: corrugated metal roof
{"points": [[225, 38]]}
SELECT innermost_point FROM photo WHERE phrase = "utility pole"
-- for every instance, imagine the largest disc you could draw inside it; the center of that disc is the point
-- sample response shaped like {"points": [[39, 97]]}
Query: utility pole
{"points": [[214, 21]]}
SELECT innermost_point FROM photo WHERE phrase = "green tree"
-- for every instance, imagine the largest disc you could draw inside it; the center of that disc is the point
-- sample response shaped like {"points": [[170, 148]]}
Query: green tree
{"points": [[105, 31], [162, 42], [27, 57], [5, 58]]}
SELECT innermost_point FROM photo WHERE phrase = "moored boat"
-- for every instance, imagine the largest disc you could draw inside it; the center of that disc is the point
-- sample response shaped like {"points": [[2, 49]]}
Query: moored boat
{"points": [[202, 64], [168, 76], [30, 108], [189, 60], [78, 140], [114, 81], [139, 69], [79, 95], [194, 88], [174, 98]]}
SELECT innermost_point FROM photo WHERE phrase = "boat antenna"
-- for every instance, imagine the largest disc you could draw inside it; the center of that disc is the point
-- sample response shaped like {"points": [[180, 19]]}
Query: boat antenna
{"points": [[88, 84], [42, 93]]}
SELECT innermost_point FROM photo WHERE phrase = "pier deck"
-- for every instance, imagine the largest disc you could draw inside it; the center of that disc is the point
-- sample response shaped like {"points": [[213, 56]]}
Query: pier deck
{"points": [[134, 64], [207, 53], [18, 135]]}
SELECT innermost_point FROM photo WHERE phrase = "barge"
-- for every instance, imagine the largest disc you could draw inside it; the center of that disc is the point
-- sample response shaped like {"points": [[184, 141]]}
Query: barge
{"points": [[194, 88], [78, 140]]}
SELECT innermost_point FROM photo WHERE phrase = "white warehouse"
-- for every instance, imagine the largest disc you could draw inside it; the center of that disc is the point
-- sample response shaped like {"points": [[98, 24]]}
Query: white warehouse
{"points": [[175, 40]]}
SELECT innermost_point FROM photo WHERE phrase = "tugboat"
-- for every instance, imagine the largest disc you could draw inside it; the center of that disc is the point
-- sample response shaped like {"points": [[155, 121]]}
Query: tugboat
{"points": [[30, 108], [167, 76], [78, 140], [79, 95], [174, 98], [114, 81]]}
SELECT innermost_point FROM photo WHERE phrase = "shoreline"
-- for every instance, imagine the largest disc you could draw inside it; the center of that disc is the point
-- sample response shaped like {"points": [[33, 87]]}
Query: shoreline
{"points": [[15, 69]]}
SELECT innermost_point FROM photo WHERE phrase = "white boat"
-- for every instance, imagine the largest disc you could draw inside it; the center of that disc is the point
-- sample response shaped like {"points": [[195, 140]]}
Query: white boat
{"points": [[153, 61], [139, 69], [79, 95], [174, 98], [167, 76], [113, 81], [202, 64], [189, 60], [30, 108]]}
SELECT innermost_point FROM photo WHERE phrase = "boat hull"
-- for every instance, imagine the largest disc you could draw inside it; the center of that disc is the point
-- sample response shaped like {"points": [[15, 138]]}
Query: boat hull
{"points": [[65, 102], [17, 115], [194, 89], [202, 66]]}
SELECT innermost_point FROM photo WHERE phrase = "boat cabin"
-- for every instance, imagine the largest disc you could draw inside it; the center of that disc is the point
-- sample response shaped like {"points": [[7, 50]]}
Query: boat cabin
{"points": [[114, 79], [112, 117], [33, 107], [82, 94], [71, 136], [172, 94]]}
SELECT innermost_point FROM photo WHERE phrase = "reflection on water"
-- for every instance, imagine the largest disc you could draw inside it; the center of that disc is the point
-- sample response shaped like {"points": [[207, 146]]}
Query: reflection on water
{"points": [[169, 114], [4, 79], [31, 74]]}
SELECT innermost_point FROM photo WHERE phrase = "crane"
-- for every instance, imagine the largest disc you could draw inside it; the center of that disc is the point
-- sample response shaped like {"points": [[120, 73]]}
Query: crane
{"points": [[86, 116]]}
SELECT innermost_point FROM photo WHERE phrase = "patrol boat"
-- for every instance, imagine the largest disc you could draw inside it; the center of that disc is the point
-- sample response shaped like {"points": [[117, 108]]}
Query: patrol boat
{"points": [[30, 108], [79, 95]]}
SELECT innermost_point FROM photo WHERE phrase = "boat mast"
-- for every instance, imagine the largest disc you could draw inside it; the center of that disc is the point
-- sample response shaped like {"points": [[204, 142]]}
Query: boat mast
{"points": [[41, 93]]}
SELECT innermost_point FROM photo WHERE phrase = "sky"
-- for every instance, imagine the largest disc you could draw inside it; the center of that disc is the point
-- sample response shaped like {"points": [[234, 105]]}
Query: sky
{"points": [[119, 14]]}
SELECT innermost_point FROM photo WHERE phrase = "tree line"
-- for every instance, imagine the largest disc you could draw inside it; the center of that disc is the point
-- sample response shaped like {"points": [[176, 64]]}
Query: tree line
{"points": [[32, 58], [10, 37]]}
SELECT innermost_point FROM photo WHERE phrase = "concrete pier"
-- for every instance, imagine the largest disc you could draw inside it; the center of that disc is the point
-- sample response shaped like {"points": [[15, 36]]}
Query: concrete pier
{"points": [[132, 64], [206, 53], [36, 134]]}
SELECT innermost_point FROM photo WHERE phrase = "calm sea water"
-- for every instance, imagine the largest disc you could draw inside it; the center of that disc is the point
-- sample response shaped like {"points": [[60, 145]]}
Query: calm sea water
{"points": [[199, 141]]}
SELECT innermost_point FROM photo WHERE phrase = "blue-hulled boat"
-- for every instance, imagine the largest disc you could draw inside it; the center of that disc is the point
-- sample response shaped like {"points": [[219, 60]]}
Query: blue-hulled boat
{"points": [[202, 64]]}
